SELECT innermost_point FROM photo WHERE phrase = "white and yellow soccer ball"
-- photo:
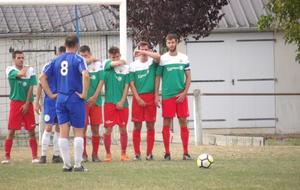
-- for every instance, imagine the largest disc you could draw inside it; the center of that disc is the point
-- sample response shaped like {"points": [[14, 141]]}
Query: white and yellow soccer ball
{"points": [[205, 160]]}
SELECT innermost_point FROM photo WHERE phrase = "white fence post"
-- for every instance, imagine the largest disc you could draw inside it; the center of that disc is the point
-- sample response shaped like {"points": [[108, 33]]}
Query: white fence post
{"points": [[197, 117], [41, 121]]}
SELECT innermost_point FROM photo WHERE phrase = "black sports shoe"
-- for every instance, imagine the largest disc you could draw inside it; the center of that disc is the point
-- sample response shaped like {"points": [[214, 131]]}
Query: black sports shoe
{"points": [[137, 158], [95, 158], [43, 160], [149, 157], [67, 169], [56, 159], [167, 157], [80, 169], [187, 157]]}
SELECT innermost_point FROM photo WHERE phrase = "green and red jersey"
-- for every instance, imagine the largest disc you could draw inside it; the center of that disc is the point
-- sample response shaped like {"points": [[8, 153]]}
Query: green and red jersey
{"points": [[143, 75], [172, 70], [96, 73], [19, 86], [115, 80]]}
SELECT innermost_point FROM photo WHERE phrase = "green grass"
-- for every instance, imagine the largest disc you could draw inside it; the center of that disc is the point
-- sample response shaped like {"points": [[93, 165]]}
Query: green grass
{"points": [[269, 167]]}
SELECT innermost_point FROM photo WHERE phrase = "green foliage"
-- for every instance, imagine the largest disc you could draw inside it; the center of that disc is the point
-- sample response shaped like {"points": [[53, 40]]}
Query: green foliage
{"points": [[283, 15], [153, 20]]}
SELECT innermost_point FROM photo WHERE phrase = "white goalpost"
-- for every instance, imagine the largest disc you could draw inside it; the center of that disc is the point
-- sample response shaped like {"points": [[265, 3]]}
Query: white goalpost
{"points": [[122, 11]]}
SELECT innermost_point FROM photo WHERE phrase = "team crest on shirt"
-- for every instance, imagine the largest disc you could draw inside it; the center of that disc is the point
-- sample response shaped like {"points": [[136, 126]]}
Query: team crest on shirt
{"points": [[180, 60], [47, 118], [119, 78], [93, 77], [24, 83]]}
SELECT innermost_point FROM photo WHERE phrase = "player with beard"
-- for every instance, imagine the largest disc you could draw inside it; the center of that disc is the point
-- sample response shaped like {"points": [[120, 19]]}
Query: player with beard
{"points": [[174, 70]]}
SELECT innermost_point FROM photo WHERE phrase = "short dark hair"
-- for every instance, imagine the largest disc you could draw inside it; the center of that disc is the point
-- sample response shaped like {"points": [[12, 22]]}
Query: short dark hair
{"points": [[172, 36], [84, 48], [113, 50], [14, 54], [71, 41], [61, 49], [143, 43]]}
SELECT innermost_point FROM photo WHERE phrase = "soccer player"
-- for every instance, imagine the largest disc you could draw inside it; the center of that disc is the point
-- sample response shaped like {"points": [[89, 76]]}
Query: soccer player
{"points": [[93, 102], [50, 119], [142, 82], [174, 69], [116, 81], [21, 80], [72, 79]]}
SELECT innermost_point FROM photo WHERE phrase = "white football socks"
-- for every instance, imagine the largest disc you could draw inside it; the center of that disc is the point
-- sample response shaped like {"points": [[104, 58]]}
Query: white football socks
{"points": [[55, 144], [45, 142], [65, 151], [78, 150]]}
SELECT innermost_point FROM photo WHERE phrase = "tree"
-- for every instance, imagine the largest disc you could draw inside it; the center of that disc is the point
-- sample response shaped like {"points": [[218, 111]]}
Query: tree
{"points": [[152, 20], [283, 15]]}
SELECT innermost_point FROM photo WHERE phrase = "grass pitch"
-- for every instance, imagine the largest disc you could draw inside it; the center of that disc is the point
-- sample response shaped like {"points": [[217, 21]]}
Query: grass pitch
{"points": [[269, 167]]}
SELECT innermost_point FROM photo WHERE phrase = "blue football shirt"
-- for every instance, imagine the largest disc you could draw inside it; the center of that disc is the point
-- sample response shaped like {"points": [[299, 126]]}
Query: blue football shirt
{"points": [[66, 71]]}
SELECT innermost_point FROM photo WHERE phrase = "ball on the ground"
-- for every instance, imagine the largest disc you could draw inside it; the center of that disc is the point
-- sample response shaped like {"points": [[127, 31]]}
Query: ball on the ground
{"points": [[205, 160]]}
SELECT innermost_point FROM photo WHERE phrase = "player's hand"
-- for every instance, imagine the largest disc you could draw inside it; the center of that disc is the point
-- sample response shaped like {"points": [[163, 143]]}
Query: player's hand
{"points": [[81, 95], [119, 63], [141, 102], [92, 101], [138, 53], [25, 108], [180, 97], [23, 71], [120, 105], [37, 108], [157, 101], [53, 96]]}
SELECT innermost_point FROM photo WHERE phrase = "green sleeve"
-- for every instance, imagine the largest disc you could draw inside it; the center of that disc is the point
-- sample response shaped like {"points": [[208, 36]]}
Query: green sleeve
{"points": [[12, 74], [102, 75], [131, 76], [127, 78], [107, 66], [33, 80], [159, 71]]}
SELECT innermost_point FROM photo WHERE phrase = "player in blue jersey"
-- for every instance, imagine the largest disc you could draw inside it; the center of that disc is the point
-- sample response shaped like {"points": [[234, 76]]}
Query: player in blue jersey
{"points": [[50, 119], [72, 80]]}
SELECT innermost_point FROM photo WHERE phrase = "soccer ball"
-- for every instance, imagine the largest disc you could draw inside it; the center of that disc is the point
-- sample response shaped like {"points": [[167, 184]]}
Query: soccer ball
{"points": [[204, 160]]}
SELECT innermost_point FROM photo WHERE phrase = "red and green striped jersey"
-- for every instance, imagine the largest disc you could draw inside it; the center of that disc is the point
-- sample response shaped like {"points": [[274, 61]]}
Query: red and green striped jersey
{"points": [[143, 75], [172, 70], [19, 86], [115, 80], [96, 72]]}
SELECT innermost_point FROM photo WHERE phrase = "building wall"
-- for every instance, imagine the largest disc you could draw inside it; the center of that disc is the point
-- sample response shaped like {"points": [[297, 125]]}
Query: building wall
{"points": [[288, 79], [287, 72]]}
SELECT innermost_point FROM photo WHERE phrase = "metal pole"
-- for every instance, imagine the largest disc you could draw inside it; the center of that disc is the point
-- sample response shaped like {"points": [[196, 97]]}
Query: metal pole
{"points": [[197, 117], [77, 23], [123, 29]]}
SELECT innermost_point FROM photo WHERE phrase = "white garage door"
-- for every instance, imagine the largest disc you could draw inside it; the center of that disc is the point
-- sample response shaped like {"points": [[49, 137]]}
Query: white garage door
{"points": [[234, 63]]}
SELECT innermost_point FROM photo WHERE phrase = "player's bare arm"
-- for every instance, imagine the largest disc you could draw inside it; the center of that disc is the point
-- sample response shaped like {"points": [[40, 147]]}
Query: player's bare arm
{"points": [[154, 55], [85, 84], [157, 84], [44, 83], [181, 96], [25, 107], [139, 100], [90, 60], [92, 100], [120, 104], [117, 63], [22, 72], [37, 105]]}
